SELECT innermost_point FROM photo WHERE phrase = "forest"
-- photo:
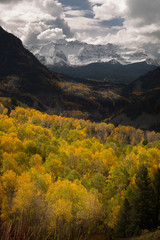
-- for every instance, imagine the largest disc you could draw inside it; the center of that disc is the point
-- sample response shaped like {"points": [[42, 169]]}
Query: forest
{"points": [[70, 179]]}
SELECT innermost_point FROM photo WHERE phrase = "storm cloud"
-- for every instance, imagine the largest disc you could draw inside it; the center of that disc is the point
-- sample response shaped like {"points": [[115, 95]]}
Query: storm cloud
{"points": [[33, 20], [127, 22], [146, 11], [8, 1]]}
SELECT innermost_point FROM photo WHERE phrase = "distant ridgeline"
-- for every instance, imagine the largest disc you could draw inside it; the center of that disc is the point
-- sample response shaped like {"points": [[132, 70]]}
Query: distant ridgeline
{"points": [[64, 178], [115, 73]]}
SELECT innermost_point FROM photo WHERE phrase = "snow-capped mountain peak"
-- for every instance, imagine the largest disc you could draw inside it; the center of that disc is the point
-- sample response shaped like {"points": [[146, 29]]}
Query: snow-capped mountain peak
{"points": [[75, 53]]}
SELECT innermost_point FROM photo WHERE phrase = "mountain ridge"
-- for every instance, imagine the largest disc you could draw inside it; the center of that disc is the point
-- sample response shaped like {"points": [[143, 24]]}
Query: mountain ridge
{"points": [[75, 53], [78, 59], [143, 110], [111, 71]]}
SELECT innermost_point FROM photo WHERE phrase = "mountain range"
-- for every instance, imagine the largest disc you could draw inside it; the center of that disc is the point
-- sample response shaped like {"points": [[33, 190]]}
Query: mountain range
{"points": [[78, 59], [75, 53], [22, 76], [110, 71]]}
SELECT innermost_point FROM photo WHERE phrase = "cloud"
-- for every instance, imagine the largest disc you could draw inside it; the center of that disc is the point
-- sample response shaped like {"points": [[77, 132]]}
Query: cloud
{"points": [[108, 9], [140, 26], [51, 34], [50, 7], [146, 11], [81, 4], [143, 23], [8, 1], [127, 22], [30, 20], [80, 23], [96, 2]]}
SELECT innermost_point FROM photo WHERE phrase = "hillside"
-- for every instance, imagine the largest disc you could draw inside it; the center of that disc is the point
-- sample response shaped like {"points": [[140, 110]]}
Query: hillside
{"points": [[155, 235], [147, 82], [144, 108], [63, 178], [21, 74], [112, 71]]}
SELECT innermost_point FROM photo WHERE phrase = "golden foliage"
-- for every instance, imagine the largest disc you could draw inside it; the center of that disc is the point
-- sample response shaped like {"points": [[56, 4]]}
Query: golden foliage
{"points": [[69, 174]]}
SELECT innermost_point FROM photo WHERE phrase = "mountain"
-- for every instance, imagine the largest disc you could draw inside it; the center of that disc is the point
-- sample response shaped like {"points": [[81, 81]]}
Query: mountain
{"points": [[75, 53], [22, 76], [112, 62], [112, 71], [143, 108], [145, 83]]}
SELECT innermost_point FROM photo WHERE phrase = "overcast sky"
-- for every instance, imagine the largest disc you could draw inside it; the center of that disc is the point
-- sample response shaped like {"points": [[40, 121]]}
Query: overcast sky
{"points": [[128, 22]]}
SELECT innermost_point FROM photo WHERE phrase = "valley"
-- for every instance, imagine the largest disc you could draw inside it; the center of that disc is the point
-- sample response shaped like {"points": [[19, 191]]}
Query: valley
{"points": [[79, 157], [32, 83]]}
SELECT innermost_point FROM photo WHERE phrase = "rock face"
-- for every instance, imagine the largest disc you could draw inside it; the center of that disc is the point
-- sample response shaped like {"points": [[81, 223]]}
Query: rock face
{"points": [[77, 53]]}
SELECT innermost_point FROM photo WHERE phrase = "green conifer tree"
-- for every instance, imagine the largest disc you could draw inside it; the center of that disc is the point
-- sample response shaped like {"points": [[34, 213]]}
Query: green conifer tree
{"points": [[156, 186], [142, 201], [123, 220]]}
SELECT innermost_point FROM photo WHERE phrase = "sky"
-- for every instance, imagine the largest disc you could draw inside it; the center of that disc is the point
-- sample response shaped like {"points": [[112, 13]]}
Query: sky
{"points": [[133, 23]]}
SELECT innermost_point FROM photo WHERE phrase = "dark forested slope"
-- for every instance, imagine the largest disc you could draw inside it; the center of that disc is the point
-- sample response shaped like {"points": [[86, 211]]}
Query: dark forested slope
{"points": [[143, 109], [114, 72]]}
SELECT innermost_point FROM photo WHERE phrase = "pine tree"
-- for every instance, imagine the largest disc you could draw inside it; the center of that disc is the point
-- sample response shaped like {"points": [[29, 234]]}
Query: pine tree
{"points": [[142, 201], [156, 186], [123, 220]]}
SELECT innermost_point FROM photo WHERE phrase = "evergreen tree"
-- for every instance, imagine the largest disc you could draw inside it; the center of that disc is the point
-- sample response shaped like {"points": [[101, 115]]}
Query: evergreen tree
{"points": [[156, 186], [142, 201], [123, 220]]}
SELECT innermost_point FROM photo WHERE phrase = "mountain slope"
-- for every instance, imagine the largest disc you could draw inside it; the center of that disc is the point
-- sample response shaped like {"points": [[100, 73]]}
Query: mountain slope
{"points": [[22, 75], [112, 71], [147, 82], [144, 108], [15, 60]]}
